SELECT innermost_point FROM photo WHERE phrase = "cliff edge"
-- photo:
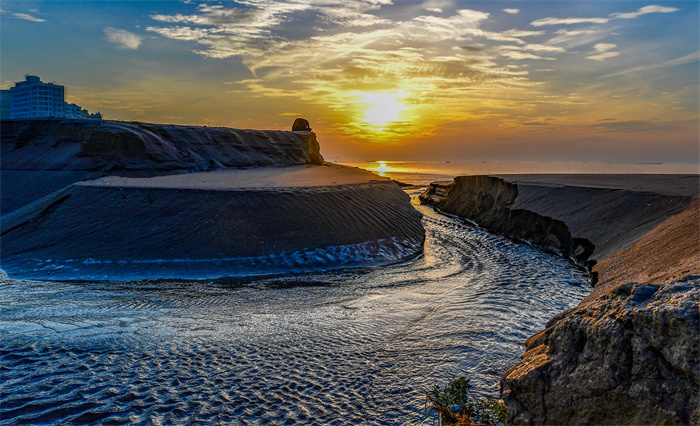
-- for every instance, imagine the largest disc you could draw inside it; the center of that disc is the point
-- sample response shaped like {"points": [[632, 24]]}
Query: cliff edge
{"points": [[40, 156], [83, 144], [628, 353], [488, 201]]}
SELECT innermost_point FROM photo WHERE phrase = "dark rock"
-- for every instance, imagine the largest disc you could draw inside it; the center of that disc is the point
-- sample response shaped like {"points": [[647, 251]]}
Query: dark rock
{"points": [[629, 356], [81, 144], [487, 201], [301, 125], [40, 156]]}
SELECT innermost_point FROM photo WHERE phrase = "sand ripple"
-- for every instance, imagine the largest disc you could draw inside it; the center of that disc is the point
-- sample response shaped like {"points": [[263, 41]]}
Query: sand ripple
{"points": [[344, 347]]}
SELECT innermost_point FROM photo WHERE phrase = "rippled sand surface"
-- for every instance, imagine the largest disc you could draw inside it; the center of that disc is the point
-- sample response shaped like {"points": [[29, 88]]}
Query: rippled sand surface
{"points": [[354, 346]]}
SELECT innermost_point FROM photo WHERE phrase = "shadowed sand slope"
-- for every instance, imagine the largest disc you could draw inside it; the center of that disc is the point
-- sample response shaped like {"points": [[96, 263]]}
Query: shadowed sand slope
{"points": [[202, 225], [612, 219]]}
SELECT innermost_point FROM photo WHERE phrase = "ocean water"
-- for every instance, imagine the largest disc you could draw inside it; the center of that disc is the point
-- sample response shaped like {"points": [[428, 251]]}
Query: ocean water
{"points": [[343, 347], [422, 173]]}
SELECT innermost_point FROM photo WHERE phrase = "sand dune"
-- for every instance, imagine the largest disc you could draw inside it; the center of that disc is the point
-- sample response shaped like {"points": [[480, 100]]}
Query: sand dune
{"points": [[200, 225]]}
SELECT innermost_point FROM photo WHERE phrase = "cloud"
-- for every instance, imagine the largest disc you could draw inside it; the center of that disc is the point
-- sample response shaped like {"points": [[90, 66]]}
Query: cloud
{"points": [[603, 56], [571, 39], [512, 11], [328, 51], [604, 47], [122, 38], [567, 21], [543, 48], [27, 17], [437, 6], [618, 15], [693, 57], [517, 55], [604, 53], [644, 11], [635, 126]]}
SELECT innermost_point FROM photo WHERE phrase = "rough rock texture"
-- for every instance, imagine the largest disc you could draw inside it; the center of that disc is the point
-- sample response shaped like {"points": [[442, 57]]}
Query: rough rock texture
{"points": [[629, 353], [81, 144], [43, 155], [488, 202], [629, 356]]}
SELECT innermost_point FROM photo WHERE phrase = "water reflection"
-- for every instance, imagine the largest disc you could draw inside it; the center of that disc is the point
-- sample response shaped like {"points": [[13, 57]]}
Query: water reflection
{"points": [[344, 347]]}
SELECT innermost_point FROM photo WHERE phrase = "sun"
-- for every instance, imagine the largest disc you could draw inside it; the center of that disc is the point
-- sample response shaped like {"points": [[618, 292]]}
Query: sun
{"points": [[384, 107]]}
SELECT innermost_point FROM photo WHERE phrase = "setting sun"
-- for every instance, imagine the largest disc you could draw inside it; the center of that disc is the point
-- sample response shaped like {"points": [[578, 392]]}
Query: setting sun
{"points": [[384, 107]]}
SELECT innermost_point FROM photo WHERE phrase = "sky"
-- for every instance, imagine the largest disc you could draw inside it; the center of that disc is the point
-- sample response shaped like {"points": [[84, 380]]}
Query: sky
{"points": [[432, 80]]}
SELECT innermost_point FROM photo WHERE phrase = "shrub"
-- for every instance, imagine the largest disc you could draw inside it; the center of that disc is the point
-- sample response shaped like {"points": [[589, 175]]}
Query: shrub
{"points": [[453, 405]]}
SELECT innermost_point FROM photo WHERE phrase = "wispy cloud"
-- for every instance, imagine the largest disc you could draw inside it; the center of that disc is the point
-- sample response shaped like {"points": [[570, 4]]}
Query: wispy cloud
{"points": [[447, 62], [693, 57], [644, 11], [122, 38], [603, 20], [604, 51], [28, 17], [567, 21], [512, 11], [603, 56]]}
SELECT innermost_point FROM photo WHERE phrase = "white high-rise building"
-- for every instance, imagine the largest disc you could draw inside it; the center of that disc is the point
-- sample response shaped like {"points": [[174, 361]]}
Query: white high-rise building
{"points": [[34, 98]]}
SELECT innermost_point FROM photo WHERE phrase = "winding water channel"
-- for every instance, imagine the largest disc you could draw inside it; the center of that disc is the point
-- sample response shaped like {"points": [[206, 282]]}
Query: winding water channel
{"points": [[342, 347]]}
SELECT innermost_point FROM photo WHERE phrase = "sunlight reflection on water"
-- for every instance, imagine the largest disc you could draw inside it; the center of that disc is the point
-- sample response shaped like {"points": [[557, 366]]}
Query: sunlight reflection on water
{"points": [[422, 173]]}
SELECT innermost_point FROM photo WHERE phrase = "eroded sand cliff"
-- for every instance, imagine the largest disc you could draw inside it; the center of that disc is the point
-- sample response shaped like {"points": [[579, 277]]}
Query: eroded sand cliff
{"points": [[266, 204], [628, 354]]}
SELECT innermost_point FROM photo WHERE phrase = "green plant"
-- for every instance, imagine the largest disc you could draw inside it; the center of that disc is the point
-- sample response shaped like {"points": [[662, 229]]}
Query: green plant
{"points": [[453, 405]]}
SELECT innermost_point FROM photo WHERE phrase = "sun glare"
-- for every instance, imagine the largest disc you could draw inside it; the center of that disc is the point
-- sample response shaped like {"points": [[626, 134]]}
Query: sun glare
{"points": [[382, 168], [384, 107]]}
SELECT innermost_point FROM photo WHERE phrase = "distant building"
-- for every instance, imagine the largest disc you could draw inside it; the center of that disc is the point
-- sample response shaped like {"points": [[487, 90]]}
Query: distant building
{"points": [[74, 111], [33, 98], [4, 104]]}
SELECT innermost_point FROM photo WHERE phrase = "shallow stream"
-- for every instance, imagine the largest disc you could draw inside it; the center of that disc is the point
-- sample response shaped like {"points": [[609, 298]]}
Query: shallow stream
{"points": [[341, 347]]}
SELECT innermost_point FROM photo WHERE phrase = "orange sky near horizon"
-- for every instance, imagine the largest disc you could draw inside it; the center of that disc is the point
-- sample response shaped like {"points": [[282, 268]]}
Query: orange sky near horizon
{"points": [[378, 79]]}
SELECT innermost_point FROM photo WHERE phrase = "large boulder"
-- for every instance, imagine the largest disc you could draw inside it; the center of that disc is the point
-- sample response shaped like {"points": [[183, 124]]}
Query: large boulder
{"points": [[629, 356]]}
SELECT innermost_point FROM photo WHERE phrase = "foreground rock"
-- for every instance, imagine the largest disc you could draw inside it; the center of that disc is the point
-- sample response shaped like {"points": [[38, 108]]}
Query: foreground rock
{"points": [[488, 202], [43, 155], [629, 353], [629, 356]]}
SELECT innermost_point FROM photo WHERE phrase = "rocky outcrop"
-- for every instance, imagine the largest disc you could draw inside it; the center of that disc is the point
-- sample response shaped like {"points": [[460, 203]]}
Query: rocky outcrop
{"points": [[611, 219], [629, 353], [488, 202], [82, 144], [628, 356], [41, 156]]}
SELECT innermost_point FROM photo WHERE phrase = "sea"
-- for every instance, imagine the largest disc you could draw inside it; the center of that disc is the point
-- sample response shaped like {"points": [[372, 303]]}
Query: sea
{"points": [[423, 172], [355, 346]]}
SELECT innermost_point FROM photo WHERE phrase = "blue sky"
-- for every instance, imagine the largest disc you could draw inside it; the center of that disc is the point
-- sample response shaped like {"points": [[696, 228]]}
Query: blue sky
{"points": [[405, 80]]}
